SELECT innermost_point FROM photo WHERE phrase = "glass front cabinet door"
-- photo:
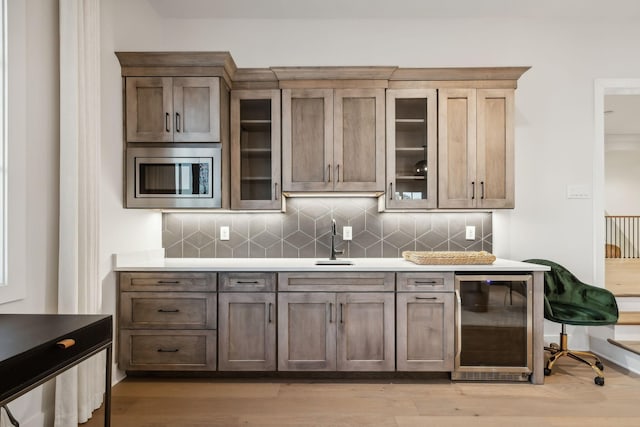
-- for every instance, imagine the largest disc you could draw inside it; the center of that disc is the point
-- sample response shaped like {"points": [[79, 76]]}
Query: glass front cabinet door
{"points": [[411, 148], [255, 149]]}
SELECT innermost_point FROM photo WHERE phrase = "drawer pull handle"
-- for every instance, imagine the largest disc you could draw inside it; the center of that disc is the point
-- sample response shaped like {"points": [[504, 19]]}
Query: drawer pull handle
{"points": [[247, 282], [66, 343], [429, 298], [168, 282], [426, 282], [170, 350], [173, 310], [269, 308], [341, 313]]}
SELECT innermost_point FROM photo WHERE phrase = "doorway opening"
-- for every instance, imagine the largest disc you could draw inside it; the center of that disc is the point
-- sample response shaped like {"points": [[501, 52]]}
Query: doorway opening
{"points": [[617, 141]]}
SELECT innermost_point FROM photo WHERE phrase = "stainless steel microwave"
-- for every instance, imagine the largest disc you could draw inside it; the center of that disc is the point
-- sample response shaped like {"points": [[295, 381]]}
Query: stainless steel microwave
{"points": [[173, 177]]}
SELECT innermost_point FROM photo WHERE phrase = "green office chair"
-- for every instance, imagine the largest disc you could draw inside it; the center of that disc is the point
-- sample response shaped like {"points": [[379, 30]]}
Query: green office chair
{"points": [[570, 302]]}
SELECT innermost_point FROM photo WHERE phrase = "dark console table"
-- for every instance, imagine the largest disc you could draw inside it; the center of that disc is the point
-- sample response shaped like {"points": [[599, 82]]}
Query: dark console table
{"points": [[36, 347]]}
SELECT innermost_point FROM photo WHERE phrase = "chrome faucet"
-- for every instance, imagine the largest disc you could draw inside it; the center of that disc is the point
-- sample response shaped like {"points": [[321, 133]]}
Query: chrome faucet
{"points": [[334, 252]]}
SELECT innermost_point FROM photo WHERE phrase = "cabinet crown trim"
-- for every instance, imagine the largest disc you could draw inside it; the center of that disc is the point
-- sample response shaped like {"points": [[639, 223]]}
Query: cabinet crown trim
{"points": [[178, 59], [334, 73], [459, 74]]}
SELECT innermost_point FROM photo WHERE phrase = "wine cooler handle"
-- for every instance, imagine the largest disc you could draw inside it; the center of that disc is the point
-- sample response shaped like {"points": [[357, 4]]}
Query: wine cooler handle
{"points": [[458, 310]]}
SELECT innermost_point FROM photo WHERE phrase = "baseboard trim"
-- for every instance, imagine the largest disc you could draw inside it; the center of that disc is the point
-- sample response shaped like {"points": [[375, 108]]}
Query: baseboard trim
{"points": [[622, 345]]}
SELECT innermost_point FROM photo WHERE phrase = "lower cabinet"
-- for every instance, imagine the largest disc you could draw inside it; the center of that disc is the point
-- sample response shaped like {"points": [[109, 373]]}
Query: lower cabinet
{"points": [[327, 331], [291, 321], [247, 331], [425, 321], [167, 321]]}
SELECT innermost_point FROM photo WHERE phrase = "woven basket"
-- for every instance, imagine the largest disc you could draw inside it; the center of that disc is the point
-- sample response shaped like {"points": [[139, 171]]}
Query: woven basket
{"points": [[448, 257]]}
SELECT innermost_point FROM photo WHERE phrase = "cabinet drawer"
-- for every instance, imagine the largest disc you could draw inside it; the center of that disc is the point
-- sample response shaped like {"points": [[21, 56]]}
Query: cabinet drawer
{"points": [[174, 281], [336, 282], [168, 310], [425, 282], [168, 350], [247, 282]]}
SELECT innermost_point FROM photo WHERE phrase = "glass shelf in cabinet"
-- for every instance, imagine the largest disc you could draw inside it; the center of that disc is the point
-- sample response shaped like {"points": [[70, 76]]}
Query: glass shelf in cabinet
{"points": [[256, 125]]}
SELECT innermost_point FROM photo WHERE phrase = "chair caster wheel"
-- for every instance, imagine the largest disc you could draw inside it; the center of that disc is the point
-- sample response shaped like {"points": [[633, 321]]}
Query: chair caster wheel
{"points": [[598, 380], [547, 372], [554, 346], [600, 366]]}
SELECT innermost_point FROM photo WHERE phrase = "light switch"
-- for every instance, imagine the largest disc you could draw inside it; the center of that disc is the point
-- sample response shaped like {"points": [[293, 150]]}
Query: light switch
{"points": [[224, 232], [578, 192]]}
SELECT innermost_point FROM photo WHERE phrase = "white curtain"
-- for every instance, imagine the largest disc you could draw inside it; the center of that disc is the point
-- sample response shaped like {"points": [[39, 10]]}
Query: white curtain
{"points": [[80, 390]]}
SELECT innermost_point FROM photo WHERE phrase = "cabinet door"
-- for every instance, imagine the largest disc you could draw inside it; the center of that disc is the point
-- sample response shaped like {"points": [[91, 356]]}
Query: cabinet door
{"points": [[411, 148], [306, 331], [425, 335], [247, 332], [495, 148], [365, 332], [255, 149], [307, 139], [359, 138], [196, 102], [457, 184], [149, 109]]}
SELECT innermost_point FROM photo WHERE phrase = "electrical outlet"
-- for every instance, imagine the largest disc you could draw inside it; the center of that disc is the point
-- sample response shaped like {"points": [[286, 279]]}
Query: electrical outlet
{"points": [[224, 232], [470, 232], [347, 233]]}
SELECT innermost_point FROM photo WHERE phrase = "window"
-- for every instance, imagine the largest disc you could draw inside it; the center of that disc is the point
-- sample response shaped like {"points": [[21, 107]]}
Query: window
{"points": [[3, 141]]}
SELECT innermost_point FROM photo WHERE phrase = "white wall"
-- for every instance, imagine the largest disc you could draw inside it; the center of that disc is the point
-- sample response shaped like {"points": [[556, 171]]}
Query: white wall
{"points": [[33, 176]]}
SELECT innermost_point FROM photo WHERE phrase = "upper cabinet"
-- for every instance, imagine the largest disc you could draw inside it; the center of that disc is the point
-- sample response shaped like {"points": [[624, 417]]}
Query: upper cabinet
{"points": [[420, 138], [475, 146], [173, 109], [255, 149], [333, 139], [411, 148]]}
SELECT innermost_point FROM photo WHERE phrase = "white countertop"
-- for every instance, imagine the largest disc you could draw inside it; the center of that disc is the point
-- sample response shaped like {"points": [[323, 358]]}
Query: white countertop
{"points": [[154, 261]]}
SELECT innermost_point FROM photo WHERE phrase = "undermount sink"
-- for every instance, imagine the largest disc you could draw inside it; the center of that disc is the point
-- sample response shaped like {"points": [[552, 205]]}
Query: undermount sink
{"points": [[334, 262]]}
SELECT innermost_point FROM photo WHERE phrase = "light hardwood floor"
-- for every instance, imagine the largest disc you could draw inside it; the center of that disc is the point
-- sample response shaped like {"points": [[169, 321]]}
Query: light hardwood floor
{"points": [[568, 398]]}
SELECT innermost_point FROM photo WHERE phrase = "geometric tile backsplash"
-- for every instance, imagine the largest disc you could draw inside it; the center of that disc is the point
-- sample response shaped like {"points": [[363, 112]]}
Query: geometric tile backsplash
{"points": [[304, 231]]}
